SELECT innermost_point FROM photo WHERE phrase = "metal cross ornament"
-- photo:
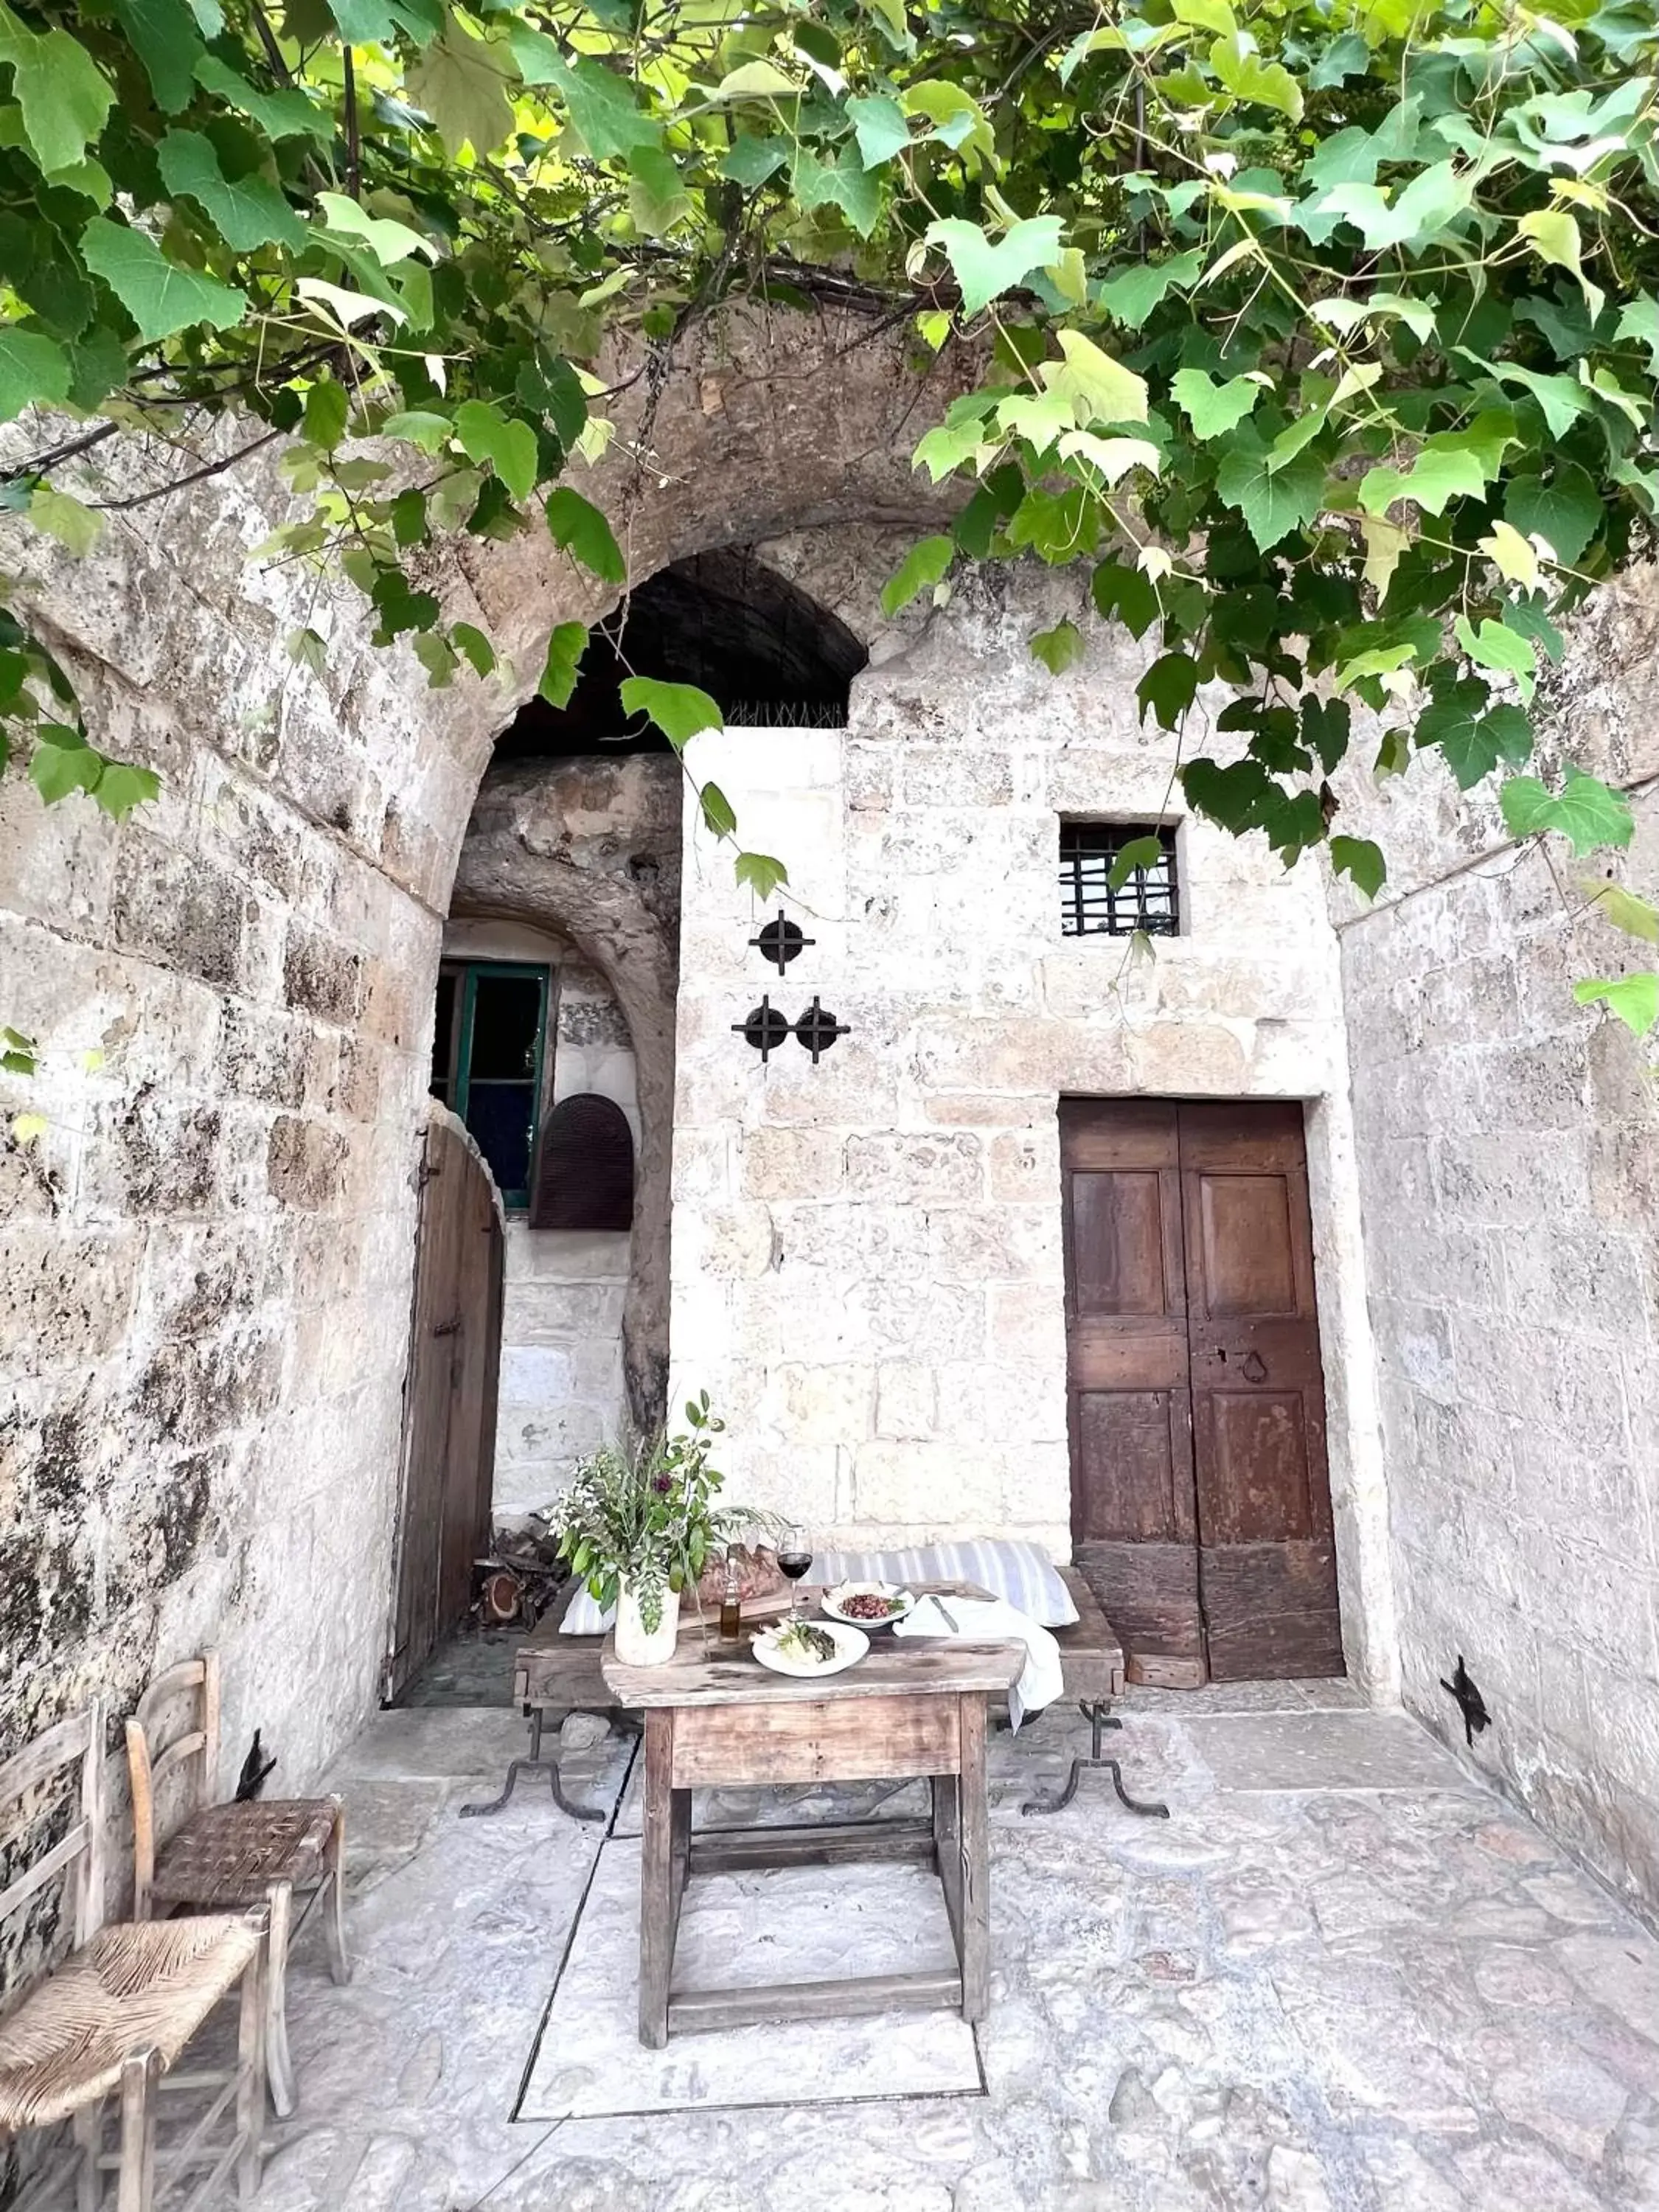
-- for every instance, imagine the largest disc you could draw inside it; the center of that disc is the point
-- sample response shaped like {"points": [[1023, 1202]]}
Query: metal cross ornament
{"points": [[780, 941], [765, 1028], [817, 1031]]}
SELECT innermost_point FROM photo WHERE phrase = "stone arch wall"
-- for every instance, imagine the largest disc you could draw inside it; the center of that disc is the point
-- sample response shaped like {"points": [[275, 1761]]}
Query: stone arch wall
{"points": [[205, 1262]]}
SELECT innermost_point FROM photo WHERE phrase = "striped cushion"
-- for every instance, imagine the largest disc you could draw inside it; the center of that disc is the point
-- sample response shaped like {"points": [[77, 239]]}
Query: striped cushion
{"points": [[1021, 1573]]}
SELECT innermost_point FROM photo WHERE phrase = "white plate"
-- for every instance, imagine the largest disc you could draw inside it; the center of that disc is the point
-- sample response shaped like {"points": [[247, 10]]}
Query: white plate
{"points": [[832, 1601], [851, 1644]]}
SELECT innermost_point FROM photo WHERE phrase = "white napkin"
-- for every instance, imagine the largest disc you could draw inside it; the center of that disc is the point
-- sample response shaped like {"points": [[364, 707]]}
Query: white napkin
{"points": [[993, 1620]]}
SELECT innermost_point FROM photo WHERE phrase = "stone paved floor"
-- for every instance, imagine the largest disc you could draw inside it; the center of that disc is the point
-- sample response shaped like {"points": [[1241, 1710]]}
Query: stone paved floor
{"points": [[1341, 1978]]}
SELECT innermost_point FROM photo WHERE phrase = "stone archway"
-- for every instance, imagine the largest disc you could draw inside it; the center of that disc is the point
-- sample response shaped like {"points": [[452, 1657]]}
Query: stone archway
{"points": [[205, 1288]]}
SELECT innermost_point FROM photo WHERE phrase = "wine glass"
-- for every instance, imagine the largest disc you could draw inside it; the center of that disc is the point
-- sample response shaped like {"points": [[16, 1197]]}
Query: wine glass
{"points": [[794, 1558]]}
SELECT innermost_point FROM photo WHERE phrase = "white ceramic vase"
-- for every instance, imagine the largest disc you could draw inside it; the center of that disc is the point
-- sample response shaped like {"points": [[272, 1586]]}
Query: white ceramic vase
{"points": [[638, 1646]]}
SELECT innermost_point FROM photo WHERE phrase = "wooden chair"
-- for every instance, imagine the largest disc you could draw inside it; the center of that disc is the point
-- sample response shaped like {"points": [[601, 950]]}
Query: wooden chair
{"points": [[211, 1857], [112, 2019]]}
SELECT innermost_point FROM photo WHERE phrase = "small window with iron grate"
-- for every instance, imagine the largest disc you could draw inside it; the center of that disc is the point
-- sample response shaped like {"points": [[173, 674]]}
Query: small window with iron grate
{"points": [[1149, 898]]}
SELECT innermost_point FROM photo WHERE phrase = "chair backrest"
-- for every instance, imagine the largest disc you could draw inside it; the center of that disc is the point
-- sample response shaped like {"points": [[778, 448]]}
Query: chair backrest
{"points": [[193, 1688], [79, 1854]]}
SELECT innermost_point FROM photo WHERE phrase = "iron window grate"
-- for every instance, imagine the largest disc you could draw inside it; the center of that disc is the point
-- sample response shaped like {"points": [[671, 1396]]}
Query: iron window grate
{"points": [[1148, 901]]}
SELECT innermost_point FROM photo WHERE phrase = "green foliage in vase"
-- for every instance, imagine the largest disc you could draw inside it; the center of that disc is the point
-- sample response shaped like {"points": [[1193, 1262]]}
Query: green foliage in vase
{"points": [[1324, 332], [648, 1514]]}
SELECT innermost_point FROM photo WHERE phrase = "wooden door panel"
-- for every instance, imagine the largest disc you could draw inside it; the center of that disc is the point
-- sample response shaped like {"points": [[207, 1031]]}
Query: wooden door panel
{"points": [[1243, 1228], [449, 1399], [1117, 1243], [1253, 1451], [1271, 1612], [1134, 1508], [1267, 1566], [1135, 1451]]}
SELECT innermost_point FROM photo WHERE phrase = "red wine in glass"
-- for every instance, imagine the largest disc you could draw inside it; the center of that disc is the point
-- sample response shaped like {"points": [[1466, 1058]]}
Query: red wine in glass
{"points": [[794, 1558]]}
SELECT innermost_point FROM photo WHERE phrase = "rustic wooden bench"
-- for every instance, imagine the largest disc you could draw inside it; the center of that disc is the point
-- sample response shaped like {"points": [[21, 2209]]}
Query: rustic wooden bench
{"points": [[554, 1674]]}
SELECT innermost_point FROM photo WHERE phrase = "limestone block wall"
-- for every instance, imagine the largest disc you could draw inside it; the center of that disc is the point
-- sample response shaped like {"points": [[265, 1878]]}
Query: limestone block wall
{"points": [[867, 1255], [1509, 1153]]}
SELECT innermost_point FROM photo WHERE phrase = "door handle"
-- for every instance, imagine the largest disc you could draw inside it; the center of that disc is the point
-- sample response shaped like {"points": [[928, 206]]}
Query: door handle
{"points": [[1253, 1367]]}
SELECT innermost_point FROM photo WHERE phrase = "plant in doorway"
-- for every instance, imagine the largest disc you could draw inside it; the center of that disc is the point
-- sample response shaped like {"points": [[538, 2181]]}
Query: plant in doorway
{"points": [[638, 1522]]}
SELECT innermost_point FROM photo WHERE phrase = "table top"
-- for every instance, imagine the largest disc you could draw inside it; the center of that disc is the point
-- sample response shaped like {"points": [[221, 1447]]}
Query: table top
{"points": [[895, 1666]]}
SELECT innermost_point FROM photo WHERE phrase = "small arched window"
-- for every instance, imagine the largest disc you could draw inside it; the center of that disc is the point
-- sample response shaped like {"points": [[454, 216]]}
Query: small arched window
{"points": [[583, 1176]]}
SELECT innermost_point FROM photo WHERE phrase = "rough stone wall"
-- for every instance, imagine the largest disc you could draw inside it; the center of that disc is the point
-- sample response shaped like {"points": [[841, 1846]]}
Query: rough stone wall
{"points": [[1509, 1149], [868, 1266], [205, 1262]]}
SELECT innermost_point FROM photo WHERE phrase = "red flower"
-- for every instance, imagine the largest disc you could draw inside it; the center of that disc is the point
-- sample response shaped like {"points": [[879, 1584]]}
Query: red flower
{"points": [[663, 1485]]}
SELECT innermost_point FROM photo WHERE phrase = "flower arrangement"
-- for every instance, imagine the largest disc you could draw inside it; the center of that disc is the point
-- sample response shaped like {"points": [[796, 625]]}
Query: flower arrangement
{"points": [[645, 1515]]}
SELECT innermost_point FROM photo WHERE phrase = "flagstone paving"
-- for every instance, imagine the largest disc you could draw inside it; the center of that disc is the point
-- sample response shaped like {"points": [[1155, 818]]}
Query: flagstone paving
{"points": [[1341, 1977]]}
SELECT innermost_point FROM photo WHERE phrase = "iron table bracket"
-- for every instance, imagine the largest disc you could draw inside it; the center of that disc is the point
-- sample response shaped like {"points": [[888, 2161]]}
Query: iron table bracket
{"points": [[534, 1765], [1099, 1715]]}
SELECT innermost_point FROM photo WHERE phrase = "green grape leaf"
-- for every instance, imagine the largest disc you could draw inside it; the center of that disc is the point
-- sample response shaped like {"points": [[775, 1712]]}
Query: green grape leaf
{"points": [[986, 269], [1273, 501], [1127, 593], [65, 519], [1495, 646], [761, 874], [467, 638], [160, 296], [431, 432], [1214, 409], [880, 128], [565, 648], [509, 447], [121, 788], [1140, 852], [717, 810], [35, 371], [62, 93], [922, 566], [377, 22], [1059, 648], [56, 770], [1361, 861], [247, 214], [306, 649], [1565, 511], [577, 526], [167, 42], [1586, 812], [1169, 688], [461, 81], [1247, 76], [1129, 295], [1634, 999], [608, 118], [327, 406], [679, 710], [290, 113], [1635, 916]]}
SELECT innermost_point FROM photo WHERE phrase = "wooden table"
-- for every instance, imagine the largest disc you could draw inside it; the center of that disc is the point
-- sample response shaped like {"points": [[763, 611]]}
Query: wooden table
{"points": [[915, 1706]]}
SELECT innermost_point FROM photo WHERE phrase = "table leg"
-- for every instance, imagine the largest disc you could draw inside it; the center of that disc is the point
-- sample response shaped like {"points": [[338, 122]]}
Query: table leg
{"points": [[659, 1898], [973, 1817], [947, 1849]]}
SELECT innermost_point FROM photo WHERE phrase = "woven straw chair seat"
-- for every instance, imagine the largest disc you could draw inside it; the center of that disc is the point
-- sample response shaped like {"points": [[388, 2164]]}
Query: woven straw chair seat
{"points": [[134, 1985], [230, 1855]]}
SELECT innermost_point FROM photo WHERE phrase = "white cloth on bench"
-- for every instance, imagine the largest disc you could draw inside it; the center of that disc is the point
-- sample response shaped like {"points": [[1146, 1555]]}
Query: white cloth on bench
{"points": [[993, 1620]]}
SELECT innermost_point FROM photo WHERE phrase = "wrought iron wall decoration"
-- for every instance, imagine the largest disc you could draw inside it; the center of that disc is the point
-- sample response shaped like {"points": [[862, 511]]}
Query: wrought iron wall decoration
{"points": [[817, 1031], [763, 1026], [780, 941]]}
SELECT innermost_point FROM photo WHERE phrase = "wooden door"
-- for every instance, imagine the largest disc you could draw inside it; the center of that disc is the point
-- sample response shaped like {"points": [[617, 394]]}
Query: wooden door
{"points": [[449, 1399], [1200, 1493]]}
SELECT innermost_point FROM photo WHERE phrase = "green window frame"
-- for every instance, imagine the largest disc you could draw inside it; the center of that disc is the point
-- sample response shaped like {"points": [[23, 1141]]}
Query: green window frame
{"points": [[462, 1088]]}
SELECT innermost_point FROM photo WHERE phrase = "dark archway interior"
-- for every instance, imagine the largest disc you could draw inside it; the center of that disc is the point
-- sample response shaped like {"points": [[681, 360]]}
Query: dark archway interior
{"points": [[723, 621]]}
